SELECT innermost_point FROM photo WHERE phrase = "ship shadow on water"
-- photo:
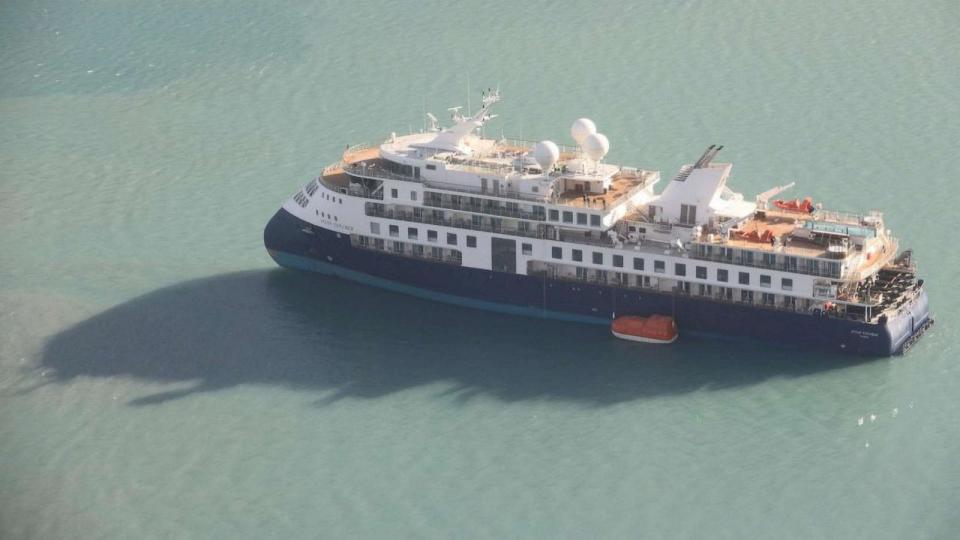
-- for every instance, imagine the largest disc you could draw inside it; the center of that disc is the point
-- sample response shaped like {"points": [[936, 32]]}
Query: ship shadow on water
{"points": [[323, 334]]}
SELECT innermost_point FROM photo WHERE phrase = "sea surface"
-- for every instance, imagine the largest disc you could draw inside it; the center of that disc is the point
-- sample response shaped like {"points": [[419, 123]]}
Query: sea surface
{"points": [[161, 378]]}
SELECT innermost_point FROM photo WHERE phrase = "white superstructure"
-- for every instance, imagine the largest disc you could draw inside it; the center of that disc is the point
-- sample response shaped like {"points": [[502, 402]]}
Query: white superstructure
{"points": [[563, 211]]}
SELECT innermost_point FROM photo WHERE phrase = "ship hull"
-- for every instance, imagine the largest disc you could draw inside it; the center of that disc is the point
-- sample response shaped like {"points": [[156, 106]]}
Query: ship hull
{"points": [[331, 253]]}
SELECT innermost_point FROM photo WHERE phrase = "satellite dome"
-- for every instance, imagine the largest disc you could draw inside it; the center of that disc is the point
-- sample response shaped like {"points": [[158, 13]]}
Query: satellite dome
{"points": [[546, 153], [582, 128], [596, 146]]}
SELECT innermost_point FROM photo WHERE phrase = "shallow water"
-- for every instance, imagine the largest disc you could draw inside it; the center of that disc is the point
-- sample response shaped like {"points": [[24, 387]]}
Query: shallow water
{"points": [[160, 377]]}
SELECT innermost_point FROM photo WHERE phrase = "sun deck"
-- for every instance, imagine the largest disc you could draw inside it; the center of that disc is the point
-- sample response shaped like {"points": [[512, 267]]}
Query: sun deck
{"points": [[359, 153], [775, 225], [336, 177], [620, 187]]}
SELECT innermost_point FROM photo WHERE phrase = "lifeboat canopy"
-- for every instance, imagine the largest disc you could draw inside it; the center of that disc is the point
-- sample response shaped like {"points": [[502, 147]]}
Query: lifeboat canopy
{"points": [[653, 329]]}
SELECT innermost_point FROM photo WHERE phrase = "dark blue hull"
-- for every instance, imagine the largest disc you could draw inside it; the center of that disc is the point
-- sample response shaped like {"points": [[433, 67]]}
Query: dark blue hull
{"points": [[331, 253]]}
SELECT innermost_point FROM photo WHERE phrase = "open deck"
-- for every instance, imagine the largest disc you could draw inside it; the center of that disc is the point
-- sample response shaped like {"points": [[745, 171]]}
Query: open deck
{"points": [[621, 186], [356, 154], [779, 225]]}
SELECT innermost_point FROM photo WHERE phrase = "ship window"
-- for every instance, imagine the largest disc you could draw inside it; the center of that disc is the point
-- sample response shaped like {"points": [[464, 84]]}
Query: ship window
{"points": [[688, 214], [374, 228], [412, 233], [413, 195], [581, 219], [680, 269], [471, 241], [526, 249], [722, 275], [568, 217], [557, 252], [577, 255], [701, 272], [786, 284], [637, 263], [764, 281], [597, 257], [746, 296], [451, 239], [659, 267], [768, 299], [594, 220], [744, 277], [554, 215], [431, 167], [535, 189], [618, 261], [394, 230], [398, 247], [432, 236]]}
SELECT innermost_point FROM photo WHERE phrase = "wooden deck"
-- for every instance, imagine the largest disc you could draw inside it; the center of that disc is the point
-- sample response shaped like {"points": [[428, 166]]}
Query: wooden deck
{"points": [[619, 187], [361, 155], [780, 225], [336, 177]]}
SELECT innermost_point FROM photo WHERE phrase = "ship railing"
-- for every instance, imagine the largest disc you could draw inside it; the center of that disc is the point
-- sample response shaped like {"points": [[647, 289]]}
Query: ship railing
{"points": [[539, 232], [475, 191], [377, 173], [478, 165], [426, 255], [353, 190], [846, 218], [757, 262], [526, 145], [871, 268], [796, 306], [586, 238], [482, 209], [428, 219], [356, 148], [644, 184]]}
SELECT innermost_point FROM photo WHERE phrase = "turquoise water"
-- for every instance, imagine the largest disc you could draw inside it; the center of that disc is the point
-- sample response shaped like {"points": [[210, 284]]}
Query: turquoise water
{"points": [[159, 377]]}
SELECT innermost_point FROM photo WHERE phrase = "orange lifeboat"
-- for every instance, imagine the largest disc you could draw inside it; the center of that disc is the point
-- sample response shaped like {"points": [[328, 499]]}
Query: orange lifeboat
{"points": [[652, 329], [805, 206]]}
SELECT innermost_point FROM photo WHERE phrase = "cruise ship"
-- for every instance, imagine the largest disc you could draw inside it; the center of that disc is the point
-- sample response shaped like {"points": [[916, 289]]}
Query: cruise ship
{"points": [[555, 231]]}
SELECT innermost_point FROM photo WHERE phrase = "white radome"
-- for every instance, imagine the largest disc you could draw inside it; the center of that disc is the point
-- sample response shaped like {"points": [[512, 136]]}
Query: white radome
{"points": [[596, 145], [582, 128], [546, 153]]}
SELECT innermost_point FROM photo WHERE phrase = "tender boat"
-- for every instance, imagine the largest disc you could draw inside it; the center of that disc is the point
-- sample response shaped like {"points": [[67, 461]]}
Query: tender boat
{"points": [[653, 329]]}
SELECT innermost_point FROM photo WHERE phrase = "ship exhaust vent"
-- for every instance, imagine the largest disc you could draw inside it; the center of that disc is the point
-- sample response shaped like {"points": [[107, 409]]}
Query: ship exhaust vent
{"points": [[707, 157]]}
